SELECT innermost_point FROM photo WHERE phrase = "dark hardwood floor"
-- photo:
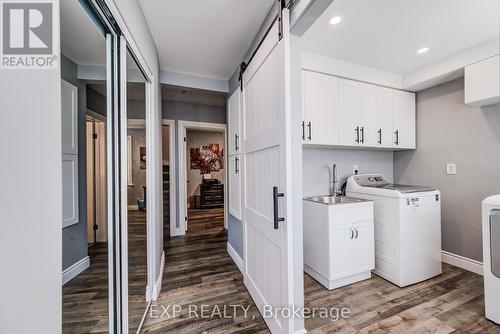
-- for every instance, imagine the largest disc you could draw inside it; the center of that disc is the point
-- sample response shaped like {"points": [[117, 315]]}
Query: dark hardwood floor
{"points": [[198, 271], [85, 298]]}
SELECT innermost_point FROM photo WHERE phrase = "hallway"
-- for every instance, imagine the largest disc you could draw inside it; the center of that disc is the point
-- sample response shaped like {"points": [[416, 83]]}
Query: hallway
{"points": [[198, 271]]}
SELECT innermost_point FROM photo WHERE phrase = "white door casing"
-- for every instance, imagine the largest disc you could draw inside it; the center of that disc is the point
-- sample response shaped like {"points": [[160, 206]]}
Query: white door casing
{"points": [[267, 138]]}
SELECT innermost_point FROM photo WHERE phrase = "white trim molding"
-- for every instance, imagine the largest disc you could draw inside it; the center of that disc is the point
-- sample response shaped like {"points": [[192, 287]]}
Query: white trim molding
{"points": [[75, 269], [194, 81], [236, 257], [157, 287], [462, 262]]}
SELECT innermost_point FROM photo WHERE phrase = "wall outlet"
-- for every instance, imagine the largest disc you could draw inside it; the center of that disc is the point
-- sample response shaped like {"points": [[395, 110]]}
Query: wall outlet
{"points": [[451, 169], [355, 169]]}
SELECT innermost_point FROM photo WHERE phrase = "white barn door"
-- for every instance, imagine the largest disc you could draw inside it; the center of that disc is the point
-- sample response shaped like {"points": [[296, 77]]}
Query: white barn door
{"points": [[267, 236]]}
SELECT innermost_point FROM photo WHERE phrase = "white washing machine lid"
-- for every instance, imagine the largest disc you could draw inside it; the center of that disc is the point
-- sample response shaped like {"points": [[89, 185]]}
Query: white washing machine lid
{"points": [[403, 188], [376, 184]]}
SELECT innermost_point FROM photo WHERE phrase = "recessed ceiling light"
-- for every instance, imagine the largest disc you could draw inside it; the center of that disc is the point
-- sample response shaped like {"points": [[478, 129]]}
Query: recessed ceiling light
{"points": [[422, 50], [335, 20]]}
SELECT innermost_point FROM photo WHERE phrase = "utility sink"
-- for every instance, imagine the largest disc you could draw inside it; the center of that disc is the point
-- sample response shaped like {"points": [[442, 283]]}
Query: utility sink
{"points": [[334, 200]]}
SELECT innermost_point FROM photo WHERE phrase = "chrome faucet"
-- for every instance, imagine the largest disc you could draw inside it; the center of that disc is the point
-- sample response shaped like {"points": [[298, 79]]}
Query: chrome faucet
{"points": [[335, 181]]}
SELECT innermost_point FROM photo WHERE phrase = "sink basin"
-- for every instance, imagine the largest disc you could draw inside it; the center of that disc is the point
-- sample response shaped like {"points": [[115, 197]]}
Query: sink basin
{"points": [[334, 200]]}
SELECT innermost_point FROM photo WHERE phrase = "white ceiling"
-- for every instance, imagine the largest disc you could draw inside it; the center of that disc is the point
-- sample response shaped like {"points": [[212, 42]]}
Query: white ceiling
{"points": [[385, 34], [205, 38], [80, 39]]}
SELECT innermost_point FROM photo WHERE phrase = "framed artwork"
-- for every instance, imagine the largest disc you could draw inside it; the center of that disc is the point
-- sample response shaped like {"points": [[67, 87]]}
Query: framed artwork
{"points": [[208, 158]]}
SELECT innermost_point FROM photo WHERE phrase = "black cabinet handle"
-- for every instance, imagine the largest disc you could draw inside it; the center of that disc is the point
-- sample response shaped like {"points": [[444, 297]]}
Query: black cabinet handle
{"points": [[277, 219], [303, 130], [236, 140], [310, 133], [362, 134], [357, 134], [397, 137], [379, 136], [357, 234], [352, 233], [237, 165]]}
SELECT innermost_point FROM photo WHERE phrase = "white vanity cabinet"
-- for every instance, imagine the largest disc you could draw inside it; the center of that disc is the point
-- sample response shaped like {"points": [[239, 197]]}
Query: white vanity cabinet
{"points": [[339, 246]]}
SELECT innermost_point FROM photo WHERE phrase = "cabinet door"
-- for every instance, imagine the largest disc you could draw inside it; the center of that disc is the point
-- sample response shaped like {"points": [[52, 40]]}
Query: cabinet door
{"points": [[363, 247], [234, 122], [235, 186], [482, 83], [320, 109], [366, 110], [341, 255], [384, 117], [348, 117], [69, 118], [404, 119]]}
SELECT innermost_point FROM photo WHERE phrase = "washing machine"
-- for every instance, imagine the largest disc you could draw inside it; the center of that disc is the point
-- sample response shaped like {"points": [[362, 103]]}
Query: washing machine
{"points": [[407, 228], [491, 257]]}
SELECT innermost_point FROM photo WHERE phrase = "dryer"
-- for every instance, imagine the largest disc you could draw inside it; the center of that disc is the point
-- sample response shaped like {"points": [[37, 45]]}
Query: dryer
{"points": [[407, 228], [491, 257]]}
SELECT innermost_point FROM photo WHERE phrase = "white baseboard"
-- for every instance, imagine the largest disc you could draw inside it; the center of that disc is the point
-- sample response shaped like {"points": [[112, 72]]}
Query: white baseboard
{"points": [[235, 256], [157, 287], [71, 272], [462, 262], [133, 207]]}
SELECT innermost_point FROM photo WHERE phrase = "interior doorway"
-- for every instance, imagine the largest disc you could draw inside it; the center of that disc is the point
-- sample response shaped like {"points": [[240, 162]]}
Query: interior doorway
{"points": [[203, 175], [96, 179]]}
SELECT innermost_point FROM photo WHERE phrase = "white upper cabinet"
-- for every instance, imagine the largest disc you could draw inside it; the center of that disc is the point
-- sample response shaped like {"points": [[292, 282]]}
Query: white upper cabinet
{"points": [[367, 116], [384, 112], [343, 112], [348, 117], [320, 125], [69, 118], [234, 122], [482, 82], [403, 120], [357, 113]]}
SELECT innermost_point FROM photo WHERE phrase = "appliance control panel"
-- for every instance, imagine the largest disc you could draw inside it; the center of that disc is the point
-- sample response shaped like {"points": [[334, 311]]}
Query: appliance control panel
{"points": [[370, 180]]}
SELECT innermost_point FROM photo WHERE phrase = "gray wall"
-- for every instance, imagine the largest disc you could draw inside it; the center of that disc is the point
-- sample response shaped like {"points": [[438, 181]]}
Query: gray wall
{"points": [[450, 131], [75, 236], [96, 101], [318, 162], [193, 112]]}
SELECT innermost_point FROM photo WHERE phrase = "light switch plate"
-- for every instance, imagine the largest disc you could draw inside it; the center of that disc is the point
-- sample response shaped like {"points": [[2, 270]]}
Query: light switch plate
{"points": [[451, 169]]}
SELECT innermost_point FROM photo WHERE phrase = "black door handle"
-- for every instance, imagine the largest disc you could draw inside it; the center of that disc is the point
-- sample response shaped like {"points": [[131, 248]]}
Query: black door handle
{"points": [[236, 165], [309, 126], [397, 137], [236, 139], [303, 130], [277, 219], [379, 136], [357, 134]]}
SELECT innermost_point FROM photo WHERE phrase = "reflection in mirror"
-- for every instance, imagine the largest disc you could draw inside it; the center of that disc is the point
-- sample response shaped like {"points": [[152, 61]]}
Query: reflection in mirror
{"points": [[84, 234], [136, 194]]}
